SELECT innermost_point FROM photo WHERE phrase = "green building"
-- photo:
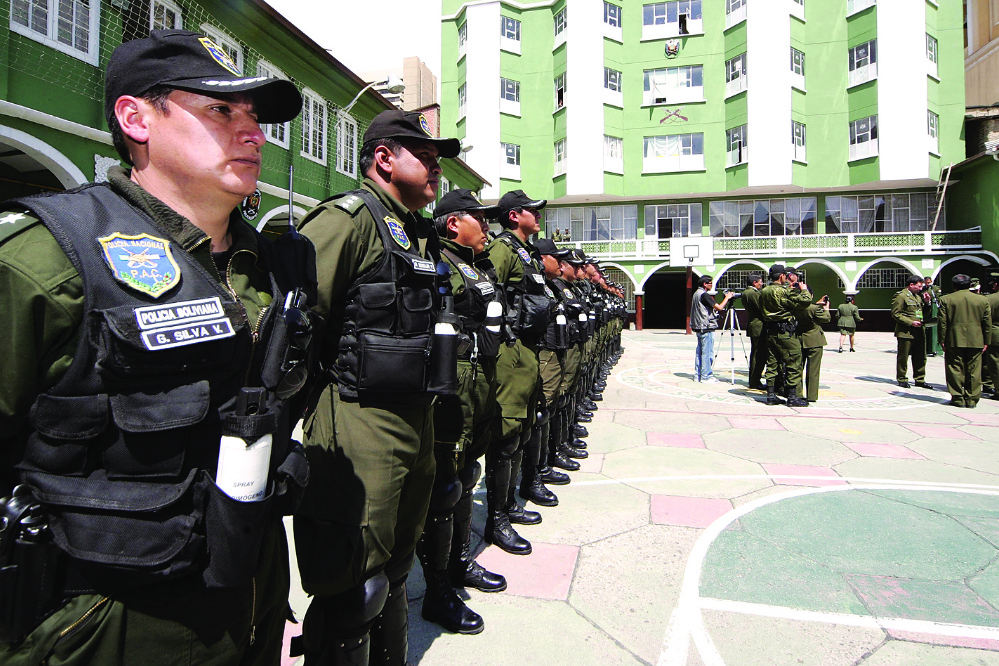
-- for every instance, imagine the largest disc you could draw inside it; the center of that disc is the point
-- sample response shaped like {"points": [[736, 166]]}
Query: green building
{"points": [[53, 135], [725, 135]]}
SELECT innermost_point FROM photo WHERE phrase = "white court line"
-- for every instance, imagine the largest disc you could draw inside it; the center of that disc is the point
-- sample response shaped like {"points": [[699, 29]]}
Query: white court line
{"points": [[866, 621], [686, 621]]}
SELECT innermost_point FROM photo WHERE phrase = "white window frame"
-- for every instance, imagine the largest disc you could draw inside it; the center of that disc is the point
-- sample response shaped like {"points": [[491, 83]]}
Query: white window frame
{"points": [[735, 75], [686, 220], [798, 9], [862, 148], [797, 69], [561, 158], [346, 145], [613, 94], [509, 161], [854, 6], [862, 73], [662, 86], [735, 12], [932, 56], [661, 27], [462, 100], [226, 42], [178, 12], [273, 131], [560, 27], [559, 86], [462, 39], [314, 150], [673, 153], [510, 34], [799, 139], [613, 154], [736, 146], [933, 129], [509, 106], [51, 35], [612, 21]]}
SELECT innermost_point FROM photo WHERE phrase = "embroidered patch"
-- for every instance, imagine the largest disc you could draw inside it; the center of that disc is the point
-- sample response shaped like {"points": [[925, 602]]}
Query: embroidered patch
{"points": [[185, 312], [251, 206], [13, 218], [538, 277], [424, 266], [568, 293], [468, 271], [548, 292], [220, 56], [486, 288], [189, 334], [398, 233], [425, 126], [524, 255], [143, 263]]}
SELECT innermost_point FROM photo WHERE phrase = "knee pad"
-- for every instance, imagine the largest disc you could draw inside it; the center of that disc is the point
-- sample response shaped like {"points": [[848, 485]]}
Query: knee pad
{"points": [[351, 613], [444, 496], [469, 476], [397, 572], [505, 448]]}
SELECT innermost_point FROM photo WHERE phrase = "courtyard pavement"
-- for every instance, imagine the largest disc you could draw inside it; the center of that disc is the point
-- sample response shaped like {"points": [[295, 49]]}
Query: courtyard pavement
{"points": [[708, 528]]}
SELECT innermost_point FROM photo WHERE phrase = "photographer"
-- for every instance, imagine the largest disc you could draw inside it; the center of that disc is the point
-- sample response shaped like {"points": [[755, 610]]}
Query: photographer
{"points": [[813, 341], [703, 321]]}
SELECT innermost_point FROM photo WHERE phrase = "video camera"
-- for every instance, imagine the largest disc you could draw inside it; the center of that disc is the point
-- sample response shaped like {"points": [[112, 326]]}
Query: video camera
{"points": [[736, 295]]}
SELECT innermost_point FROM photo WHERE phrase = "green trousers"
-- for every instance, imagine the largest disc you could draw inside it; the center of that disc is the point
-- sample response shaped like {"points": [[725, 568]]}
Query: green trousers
{"points": [[551, 364], [990, 373], [784, 349], [916, 348], [464, 420], [518, 389], [812, 359], [964, 374]]}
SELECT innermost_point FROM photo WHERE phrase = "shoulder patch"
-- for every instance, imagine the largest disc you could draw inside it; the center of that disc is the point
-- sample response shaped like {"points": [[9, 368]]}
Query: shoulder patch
{"points": [[350, 204], [14, 222], [143, 263]]}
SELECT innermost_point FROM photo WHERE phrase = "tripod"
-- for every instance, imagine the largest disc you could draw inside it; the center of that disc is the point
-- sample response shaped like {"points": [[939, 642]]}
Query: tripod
{"points": [[732, 325]]}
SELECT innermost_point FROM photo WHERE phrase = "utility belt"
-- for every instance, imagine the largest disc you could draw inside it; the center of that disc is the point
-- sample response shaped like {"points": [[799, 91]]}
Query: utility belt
{"points": [[778, 327]]}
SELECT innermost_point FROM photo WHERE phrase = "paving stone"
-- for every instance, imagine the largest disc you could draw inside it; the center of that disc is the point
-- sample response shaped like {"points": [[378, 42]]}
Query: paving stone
{"points": [[875, 450], [544, 574], [606, 436], [803, 475], [963, 657], [986, 584], [763, 492], [914, 470], [756, 423], [593, 463], [927, 600], [678, 440], [655, 461], [687, 511], [939, 432], [954, 503], [854, 430], [767, 447]]}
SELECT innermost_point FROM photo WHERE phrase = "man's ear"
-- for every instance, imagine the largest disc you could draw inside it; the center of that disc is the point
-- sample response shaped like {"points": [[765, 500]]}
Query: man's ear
{"points": [[452, 226], [132, 114], [383, 159]]}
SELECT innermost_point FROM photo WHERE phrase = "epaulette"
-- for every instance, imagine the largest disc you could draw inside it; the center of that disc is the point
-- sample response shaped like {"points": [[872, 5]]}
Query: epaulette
{"points": [[14, 222], [349, 203]]}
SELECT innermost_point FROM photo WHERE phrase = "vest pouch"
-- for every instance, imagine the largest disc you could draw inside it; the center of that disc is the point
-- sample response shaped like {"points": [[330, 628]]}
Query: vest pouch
{"points": [[378, 306], [444, 364], [235, 530], [65, 428], [533, 314], [488, 341], [389, 364], [414, 313], [144, 532]]}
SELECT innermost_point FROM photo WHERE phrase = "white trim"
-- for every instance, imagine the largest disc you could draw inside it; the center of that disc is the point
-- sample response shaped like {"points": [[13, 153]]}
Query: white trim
{"points": [[298, 212], [269, 128], [91, 55], [282, 193], [342, 120], [172, 6], [54, 122], [509, 3], [858, 6], [307, 95], [62, 167]]}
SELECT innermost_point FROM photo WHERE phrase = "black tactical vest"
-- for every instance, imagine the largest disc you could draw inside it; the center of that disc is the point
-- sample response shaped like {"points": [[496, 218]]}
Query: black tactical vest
{"points": [[472, 303], [123, 450], [388, 319], [530, 305], [575, 311]]}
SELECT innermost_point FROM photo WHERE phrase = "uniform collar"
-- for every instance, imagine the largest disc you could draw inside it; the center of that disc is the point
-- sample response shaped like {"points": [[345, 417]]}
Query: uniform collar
{"points": [[462, 251]]}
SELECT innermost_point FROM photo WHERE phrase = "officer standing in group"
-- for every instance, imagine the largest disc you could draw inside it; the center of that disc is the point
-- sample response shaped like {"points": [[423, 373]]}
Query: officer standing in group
{"points": [[931, 309], [907, 311], [813, 342], [990, 369], [754, 328], [167, 552], [370, 439], [965, 329], [777, 304], [519, 269]]}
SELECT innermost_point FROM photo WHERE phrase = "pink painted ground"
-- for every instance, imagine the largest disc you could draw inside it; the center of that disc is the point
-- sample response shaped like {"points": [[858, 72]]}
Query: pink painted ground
{"points": [[544, 574], [679, 440], [873, 450], [804, 470], [939, 432], [952, 641], [755, 423], [688, 511]]}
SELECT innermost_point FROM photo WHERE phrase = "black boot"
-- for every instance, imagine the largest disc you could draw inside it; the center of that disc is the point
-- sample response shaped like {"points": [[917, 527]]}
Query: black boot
{"points": [[793, 400], [772, 398], [531, 487], [498, 530], [580, 431], [464, 571], [553, 477], [441, 604], [574, 453], [518, 514], [588, 405], [595, 396]]}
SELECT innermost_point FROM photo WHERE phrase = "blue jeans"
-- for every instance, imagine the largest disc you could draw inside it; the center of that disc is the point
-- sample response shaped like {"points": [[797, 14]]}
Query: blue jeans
{"points": [[704, 355]]}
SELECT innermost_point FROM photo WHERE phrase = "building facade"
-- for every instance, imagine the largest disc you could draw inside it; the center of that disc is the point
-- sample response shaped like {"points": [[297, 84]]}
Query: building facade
{"points": [[722, 134], [53, 135], [420, 82]]}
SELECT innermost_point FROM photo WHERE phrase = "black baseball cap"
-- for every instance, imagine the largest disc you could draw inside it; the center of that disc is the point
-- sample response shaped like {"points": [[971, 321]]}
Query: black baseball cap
{"points": [[517, 199], [397, 124], [792, 271], [548, 246], [192, 62], [576, 257], [461, 199]]}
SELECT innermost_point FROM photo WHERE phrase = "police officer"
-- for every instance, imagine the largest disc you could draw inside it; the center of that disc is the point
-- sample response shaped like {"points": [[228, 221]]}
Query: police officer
{"points": [[754, 328], [907, 311], [777, 304], [965, 330], [158, 549], [462, 421], [519, 269], [371, 437], [990, 358], [813, 342]]}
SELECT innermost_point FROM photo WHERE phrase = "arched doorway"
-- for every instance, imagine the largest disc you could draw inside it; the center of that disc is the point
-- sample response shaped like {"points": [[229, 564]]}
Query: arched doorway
{"points": [[666, 300], [31, 166]]}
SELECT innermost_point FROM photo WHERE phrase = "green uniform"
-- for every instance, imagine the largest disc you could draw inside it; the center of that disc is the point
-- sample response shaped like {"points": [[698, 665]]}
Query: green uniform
{"points": [[990, 376], [41, 297], [757, 339], [813, 342], [777, 304], [847, 316], [965, 328], [907, 308]]}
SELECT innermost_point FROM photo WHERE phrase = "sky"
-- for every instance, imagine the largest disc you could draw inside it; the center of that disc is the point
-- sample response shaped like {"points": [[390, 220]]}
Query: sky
{"points": [[370, 34]]}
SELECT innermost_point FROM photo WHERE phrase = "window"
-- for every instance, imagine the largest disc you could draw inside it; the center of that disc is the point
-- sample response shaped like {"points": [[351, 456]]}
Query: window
{"points": [[165, 15], [70, 26], [798, 140], [931, 55], [277, 133], [462, 92], [613, 154], [797, 69], [560, 91], [881, 278], [672, 19], [882, 213], [593, 223], [763, 217], [735, 75], [226, 43], [346, 146], [673, 152], [313, 126], [560, 24], [735, 12], [854, 6], [510, 97], [612, 79], [462, 39], [863, 63], [674, 85], [798, 9], [510, 161], [737, 146], [612, 15], [933, 128], [560, 162], [864, 138], [510, 34], [673, 221]]}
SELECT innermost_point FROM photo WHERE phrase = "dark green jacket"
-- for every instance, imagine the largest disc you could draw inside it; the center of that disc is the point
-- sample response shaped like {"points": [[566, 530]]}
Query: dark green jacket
{"points": [[965, 320], [754, 317], [906, 308], [809, 325], [848, 315]]}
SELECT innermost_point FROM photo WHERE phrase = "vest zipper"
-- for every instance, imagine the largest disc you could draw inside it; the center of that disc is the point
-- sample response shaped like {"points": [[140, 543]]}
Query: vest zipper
{"points": [[253, 613], [93, 609], [255, 333]]}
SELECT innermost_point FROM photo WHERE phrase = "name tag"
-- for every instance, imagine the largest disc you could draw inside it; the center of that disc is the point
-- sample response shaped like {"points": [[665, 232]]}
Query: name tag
{"points": [[486, 288], [538, 277], [424, 266], [173, 314], [178, 336]]}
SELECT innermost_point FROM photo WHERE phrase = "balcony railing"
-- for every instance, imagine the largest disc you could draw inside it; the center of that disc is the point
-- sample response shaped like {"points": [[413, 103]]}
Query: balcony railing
{"points": [[829, 245]]}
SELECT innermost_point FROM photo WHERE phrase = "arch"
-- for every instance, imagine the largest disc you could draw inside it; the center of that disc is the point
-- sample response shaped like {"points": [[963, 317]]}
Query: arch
{"points": [[892, 260], [614, 264], [62, 167], [825, 262], [648, 274], [966, 257], [280, 210], [741, 262]]}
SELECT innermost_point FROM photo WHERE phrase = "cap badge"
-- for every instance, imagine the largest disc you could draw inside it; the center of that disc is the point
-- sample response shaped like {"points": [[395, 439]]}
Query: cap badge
{"points": [[524, 255], [425, 126], [143, 262], [468, 271], [219, 55], [398, 233]]}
